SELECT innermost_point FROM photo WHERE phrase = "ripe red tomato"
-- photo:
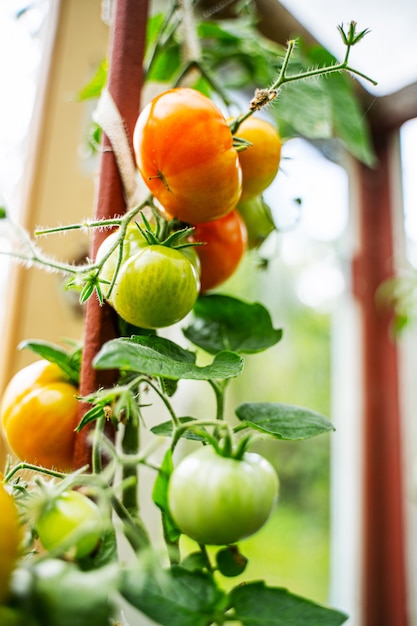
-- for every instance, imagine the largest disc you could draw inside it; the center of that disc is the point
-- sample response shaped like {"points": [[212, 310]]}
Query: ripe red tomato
{"points": [[184, 151], [260, 161], [225, 242]]}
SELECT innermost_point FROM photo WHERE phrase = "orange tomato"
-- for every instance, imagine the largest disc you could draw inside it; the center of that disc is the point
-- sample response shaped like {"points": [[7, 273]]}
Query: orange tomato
{"points": [[9, 539], [225, 242], [39, 413], [184, 151], [260, 161]]}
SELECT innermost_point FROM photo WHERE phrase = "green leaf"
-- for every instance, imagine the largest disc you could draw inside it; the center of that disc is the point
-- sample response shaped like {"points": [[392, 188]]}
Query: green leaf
{"points": [[3, 213], [256, 604], [195, 561], [165, 429], [226, 323], [304, 109], [69, 362], [283, 421], [160, 497], [93, 414], [157, 356], [174, 598], [95, 86], [166, 65], [348, 118], [107, 553]]}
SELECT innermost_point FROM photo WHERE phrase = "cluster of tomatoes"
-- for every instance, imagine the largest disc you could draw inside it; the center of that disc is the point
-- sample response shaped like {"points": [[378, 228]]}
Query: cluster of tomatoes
{"points": [[202, 176], [188, 156]]}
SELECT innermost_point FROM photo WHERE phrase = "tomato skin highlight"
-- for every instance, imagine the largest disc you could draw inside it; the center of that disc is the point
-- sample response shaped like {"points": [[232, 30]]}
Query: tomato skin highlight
{"points": [[64, 515], [184, 152], [260, 161], [10, 536], [217, 500], [225, 242], [39, 412], [156, 287]]}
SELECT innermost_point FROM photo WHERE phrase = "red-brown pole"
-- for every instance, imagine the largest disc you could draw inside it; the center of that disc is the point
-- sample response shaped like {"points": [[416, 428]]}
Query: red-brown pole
{"points": [[125, 85], [384, 567]]}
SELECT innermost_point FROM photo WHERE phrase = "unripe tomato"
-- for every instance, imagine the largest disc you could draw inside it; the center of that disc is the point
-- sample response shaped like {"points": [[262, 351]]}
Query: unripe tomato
{"points": [[39, 412], [132, 243], [258, 220], [184, 151], [260, 161], [9, 539], [225, 242], [156, 287], [218, 500], [61, 517]]}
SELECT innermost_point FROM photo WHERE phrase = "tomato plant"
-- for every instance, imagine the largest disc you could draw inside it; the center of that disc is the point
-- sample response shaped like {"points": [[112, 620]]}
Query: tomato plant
{"points": [[223, 246], [194, 163], [219, 500], [39, 412], [71, 514], [260, 161], [184, 151], [156, 287], [9, 539]]}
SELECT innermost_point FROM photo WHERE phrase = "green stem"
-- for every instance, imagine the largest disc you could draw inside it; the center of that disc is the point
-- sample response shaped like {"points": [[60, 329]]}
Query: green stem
{"points": [[134, 530], [165, 400], [80, 226], [96, 452], [130, 446], [219, 392], [34, 468]]}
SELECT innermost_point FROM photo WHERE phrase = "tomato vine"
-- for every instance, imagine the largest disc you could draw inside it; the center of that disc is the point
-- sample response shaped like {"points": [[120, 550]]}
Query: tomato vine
{"points": [[221, 492]]}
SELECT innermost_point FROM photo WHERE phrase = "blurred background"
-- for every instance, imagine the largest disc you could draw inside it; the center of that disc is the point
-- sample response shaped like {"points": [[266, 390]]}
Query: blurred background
{"points": [[313, 544]]}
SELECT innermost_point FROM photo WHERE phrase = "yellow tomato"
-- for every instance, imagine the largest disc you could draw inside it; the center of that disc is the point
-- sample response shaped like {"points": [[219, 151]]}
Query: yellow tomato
{"points": [[260, 161], [9, 540], [39, 412]]}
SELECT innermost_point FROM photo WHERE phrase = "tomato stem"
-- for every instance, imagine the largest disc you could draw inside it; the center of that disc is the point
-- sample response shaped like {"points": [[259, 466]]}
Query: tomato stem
{"points": [[130, 446]]}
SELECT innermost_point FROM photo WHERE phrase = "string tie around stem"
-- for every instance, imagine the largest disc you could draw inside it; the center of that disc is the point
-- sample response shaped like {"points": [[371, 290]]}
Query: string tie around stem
{"points": [[108, 117]]}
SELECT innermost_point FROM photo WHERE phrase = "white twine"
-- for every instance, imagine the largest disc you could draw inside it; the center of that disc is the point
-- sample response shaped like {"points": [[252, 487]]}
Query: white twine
{"points": [[108, 117]]}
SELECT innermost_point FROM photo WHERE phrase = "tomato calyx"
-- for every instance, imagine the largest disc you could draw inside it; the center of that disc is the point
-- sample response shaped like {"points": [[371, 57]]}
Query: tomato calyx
{"points": [[172, 233]]}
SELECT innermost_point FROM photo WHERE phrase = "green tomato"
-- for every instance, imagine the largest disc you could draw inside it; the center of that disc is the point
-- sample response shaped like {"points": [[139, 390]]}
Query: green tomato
{"points": [[156, 287], [219, 500], [258, 220], [71, 511], [132, 243]]}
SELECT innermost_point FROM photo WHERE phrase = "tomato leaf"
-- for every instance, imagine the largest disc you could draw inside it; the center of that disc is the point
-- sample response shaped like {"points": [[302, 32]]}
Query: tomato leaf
{"points": [[226, 323], [283, 421], [160, 497], [96, 85], [69, 362], [165, 429], [157, 356], [256, 604], [174, 598]]}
